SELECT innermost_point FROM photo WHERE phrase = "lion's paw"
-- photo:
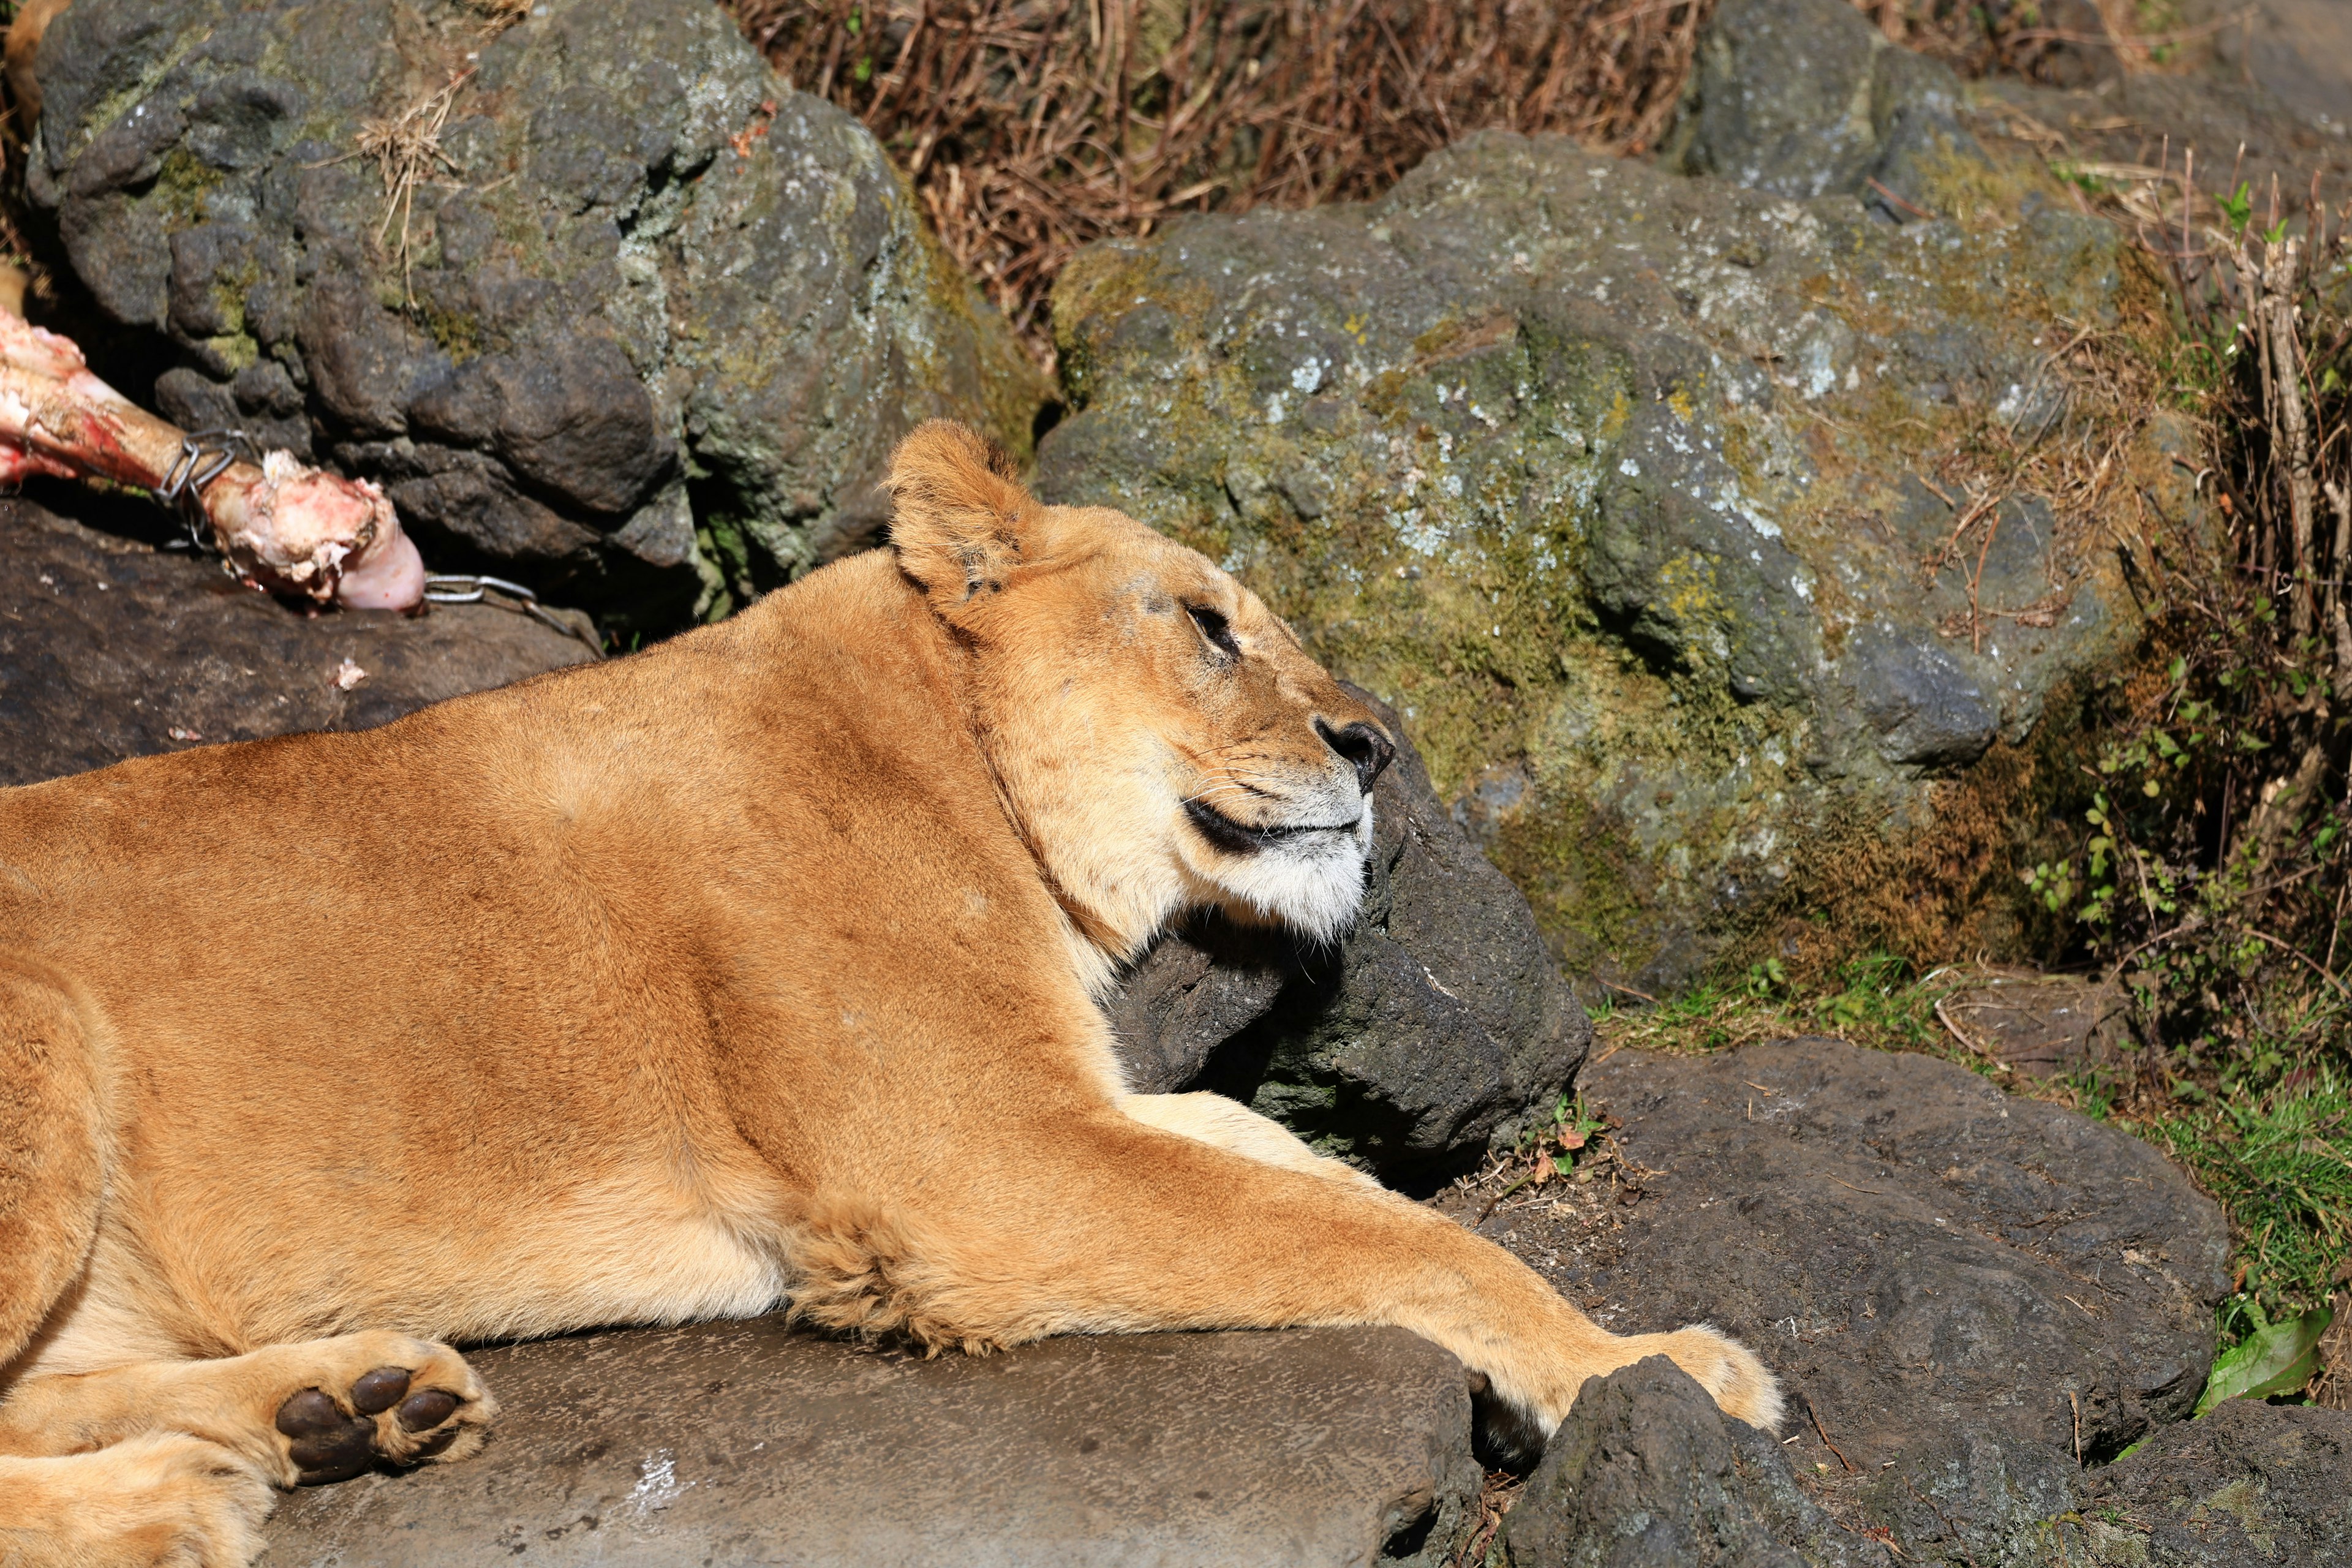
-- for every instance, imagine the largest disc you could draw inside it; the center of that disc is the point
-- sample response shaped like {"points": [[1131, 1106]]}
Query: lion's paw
{"points": [[380, 1396]]}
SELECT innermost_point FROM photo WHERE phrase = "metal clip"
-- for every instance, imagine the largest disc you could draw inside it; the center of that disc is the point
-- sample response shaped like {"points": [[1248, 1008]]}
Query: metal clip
{"points": [[204, 456]]}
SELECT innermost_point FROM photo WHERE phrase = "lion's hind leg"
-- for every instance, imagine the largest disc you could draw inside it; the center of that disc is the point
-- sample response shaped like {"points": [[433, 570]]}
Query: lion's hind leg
{"points": [[299, 1413], [161, 1500], [52, 1148]]}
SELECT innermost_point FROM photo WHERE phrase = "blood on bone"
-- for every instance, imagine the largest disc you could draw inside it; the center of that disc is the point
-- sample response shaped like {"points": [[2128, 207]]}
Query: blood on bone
{"points": [[281, 524]]}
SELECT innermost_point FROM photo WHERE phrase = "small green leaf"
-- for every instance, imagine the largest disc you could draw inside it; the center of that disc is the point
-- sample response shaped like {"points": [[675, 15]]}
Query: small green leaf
{"points": [[2237, 207], [2279, 1359]]}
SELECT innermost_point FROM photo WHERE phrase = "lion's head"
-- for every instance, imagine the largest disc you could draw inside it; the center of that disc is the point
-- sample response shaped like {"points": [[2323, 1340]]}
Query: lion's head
{"points": [[1162, 741]]}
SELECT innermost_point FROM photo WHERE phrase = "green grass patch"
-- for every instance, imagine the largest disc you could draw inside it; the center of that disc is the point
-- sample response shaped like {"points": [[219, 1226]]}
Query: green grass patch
{"points": [[2280, 1161]]}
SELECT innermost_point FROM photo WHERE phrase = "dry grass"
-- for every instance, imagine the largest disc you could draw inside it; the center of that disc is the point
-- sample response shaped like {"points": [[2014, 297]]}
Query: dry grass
{"points": [[1034, 127], [407, 153]]}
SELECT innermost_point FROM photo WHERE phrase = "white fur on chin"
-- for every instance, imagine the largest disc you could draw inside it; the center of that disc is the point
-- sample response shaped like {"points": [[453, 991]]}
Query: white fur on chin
{"points": [[1314, 884]]}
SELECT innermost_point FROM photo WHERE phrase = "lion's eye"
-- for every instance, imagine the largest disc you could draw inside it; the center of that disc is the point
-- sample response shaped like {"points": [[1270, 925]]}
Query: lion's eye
{"points": [[1215, 627]]}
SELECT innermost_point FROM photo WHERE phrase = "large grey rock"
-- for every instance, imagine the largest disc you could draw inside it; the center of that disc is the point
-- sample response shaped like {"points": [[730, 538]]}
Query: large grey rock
{"points": [[111, 649], [1647, 1473], [1413, 1045], [1803, 97], [1963, 1289], [659, 320], [1609, 480], [738, 1443]]}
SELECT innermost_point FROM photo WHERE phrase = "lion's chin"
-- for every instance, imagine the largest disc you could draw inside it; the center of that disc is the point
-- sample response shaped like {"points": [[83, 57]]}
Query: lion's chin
{"points": [[1312, 884]]}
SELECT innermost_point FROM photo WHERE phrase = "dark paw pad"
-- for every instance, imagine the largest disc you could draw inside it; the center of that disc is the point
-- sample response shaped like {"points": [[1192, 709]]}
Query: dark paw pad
{"points": [[328, 1445], [378, 1390], [426, 1408]]}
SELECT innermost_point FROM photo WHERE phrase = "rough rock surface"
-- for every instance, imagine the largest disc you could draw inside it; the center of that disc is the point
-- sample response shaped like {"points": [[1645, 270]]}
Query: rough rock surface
{"points": [[1961, 1286], [111, 649], [1411, 1044], [1791, 96], [2249, 1483], [645, 336], [747, 1443], [1606, 477], [1647, 1473]]}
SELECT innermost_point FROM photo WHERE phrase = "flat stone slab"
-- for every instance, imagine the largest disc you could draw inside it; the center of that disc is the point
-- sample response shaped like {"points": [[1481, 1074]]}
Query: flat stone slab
{"points": [[738, 1443], [111, 649]]}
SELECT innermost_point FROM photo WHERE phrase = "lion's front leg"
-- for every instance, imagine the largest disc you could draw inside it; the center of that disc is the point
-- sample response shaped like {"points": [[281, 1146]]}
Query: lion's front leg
{"points": [[297, 1413], [1103, 1224]]}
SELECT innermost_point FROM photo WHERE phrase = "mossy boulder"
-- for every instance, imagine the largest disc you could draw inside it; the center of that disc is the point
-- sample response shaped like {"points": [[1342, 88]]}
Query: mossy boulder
{"points": [[643, 332], [1617, 484]]}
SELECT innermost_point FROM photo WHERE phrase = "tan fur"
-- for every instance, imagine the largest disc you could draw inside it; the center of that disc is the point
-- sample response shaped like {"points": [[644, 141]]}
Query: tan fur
{"points": [[765, 960]]}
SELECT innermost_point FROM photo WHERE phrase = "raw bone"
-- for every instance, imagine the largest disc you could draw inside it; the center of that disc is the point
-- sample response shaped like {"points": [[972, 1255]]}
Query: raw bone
{"points": [[283, 526]]}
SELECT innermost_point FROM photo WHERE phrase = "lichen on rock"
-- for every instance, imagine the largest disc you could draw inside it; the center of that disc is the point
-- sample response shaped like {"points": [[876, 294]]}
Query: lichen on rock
{"points": [[1618, 484]]}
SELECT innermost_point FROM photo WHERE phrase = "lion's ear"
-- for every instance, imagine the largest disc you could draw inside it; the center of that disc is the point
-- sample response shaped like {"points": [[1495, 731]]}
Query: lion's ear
{"points": [[963, 524]]}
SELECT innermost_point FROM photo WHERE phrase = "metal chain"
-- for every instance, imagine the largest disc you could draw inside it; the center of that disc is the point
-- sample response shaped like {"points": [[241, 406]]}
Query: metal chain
{"points": [[453, 588]]}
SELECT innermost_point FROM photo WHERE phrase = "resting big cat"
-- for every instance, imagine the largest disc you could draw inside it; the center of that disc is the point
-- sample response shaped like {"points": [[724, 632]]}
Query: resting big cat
{"points": [[760, 965]]}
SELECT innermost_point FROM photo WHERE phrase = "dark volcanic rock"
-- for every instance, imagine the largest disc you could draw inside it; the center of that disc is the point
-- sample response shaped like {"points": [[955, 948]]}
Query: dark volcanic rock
{"points": [[1647, 1473], [2249, 1483], [1410, 1046], [1803, 97], [746, 1443], [1950, 1279], [652, 329], [110, 649]]}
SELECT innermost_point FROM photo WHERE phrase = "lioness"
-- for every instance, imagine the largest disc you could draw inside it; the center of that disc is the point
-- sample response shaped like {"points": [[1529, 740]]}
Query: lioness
{"points": [[762, 964]]}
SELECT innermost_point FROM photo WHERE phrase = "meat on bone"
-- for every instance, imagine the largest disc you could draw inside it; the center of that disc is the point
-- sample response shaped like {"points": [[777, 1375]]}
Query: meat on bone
{"points": [[283, 525]]}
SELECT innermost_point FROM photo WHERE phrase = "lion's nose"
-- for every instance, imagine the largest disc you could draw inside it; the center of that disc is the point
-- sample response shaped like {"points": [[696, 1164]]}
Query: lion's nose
{"points": [[1361, 744]]}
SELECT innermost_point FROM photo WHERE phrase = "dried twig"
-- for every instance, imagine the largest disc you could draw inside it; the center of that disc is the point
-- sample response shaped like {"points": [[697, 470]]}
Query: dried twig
{"points": [[498, 15], [1815, 1416]]}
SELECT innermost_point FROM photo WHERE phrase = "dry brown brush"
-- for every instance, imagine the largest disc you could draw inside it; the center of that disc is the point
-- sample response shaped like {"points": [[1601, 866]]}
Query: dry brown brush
{"points": [[2216, 866], [1033, 127]]}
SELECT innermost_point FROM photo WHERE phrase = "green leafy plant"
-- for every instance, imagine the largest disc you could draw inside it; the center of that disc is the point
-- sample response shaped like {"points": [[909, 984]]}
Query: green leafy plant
{"points": [[2237, 207], [2278, 1358]]}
